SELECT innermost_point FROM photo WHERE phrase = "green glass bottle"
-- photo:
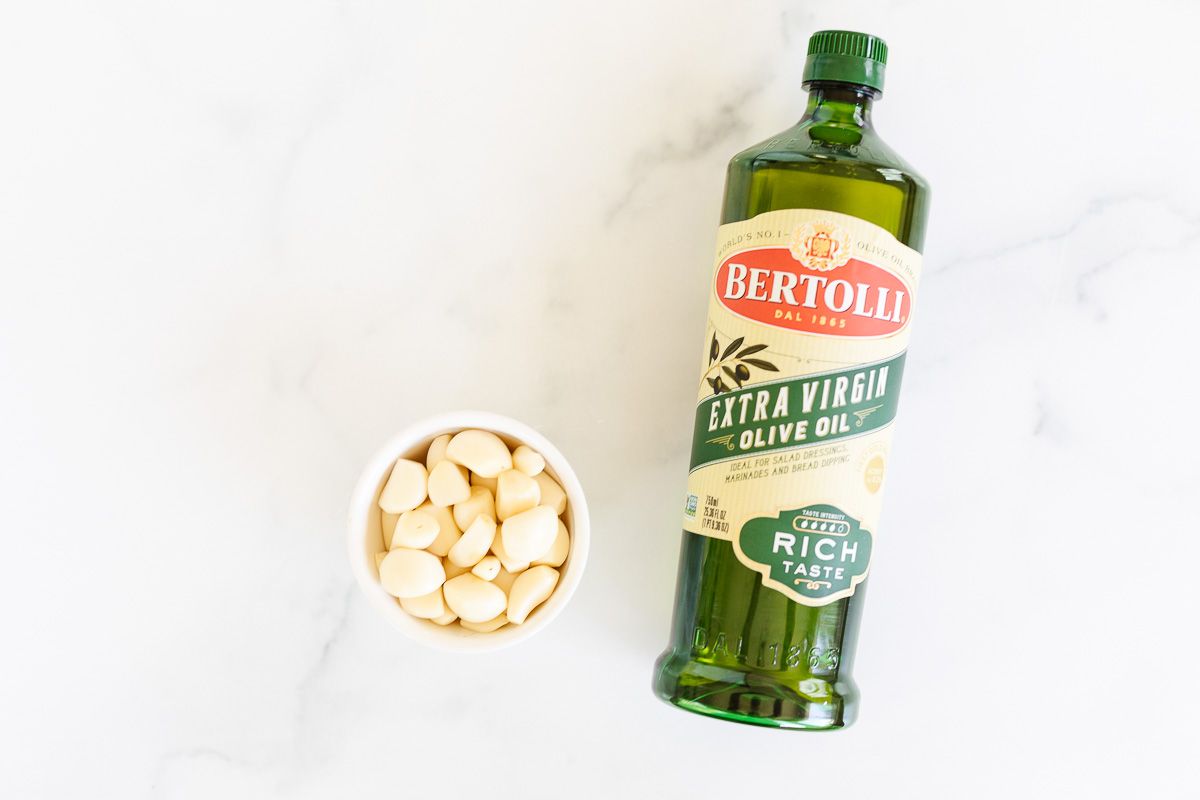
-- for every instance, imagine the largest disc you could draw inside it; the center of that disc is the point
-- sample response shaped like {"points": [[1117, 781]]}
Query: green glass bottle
{"points": [[817, 265]]}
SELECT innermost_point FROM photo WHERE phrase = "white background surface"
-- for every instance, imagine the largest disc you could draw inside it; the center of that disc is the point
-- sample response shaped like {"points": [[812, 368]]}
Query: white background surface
{"points": [[243, 243]]}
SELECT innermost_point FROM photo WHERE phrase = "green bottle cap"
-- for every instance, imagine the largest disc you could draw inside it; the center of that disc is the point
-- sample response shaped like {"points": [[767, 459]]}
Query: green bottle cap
{"points": [[846, 57]]}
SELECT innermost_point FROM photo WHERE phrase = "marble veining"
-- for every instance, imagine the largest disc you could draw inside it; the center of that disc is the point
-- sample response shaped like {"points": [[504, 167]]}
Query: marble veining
{"points": [[244, 243]]}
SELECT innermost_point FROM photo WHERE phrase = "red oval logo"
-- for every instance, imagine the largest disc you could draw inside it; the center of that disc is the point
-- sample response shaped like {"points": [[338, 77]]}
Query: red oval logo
{"points": [[856, 299]]}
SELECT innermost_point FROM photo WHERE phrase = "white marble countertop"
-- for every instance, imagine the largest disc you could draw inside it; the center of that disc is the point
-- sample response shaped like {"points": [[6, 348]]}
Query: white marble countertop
{"points": [[243, 243]]}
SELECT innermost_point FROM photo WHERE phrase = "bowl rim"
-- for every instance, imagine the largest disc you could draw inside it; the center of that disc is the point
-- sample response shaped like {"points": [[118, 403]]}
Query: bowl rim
{"points": [[363, 500]]}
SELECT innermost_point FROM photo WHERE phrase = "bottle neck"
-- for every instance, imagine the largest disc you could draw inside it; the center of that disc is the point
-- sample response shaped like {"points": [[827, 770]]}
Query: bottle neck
{"points": [[839, 104]]}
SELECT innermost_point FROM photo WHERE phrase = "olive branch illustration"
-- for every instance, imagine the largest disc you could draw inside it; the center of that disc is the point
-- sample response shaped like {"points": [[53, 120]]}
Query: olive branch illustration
{"points": [[733, 363]]}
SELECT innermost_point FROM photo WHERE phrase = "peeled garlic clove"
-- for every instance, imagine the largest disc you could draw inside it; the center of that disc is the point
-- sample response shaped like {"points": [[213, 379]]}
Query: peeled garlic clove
{"points": [[437, 451], [509, 563], [528, 460], [487, 483], [405, 487], [427, 606], [552, 494], [515, 492], [474, 543], [379, 557], [504, 579], [410, 573], [529, 535], [480, 502], [448, 484], [445, 619], [482, 452], [452, 569], [487, 568], [415, 530], [496, 623], [474, 599], [529, 590], [388, 525], [447, 531], [557, 554]]}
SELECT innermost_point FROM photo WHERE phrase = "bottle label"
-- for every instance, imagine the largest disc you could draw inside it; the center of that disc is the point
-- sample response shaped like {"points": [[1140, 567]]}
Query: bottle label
{"points": [[807, 328]]}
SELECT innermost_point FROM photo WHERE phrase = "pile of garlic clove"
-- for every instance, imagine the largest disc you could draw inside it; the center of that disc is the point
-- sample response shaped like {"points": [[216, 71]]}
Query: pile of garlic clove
{"points": [[474, 534]]}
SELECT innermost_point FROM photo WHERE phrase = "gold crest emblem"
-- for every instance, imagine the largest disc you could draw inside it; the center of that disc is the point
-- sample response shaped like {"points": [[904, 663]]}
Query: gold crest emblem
{"points": [[820, 246]]}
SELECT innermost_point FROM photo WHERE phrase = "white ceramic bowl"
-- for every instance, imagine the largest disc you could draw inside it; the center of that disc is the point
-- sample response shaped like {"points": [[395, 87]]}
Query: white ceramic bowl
{"points": [[366, 534]]}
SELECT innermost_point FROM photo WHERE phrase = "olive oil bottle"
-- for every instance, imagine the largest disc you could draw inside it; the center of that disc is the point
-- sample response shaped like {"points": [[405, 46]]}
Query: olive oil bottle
{"points": [[813, 288]]}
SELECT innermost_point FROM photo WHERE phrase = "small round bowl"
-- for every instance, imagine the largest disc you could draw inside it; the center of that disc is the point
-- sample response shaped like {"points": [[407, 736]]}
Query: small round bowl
{"points": [[366, 534]]}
